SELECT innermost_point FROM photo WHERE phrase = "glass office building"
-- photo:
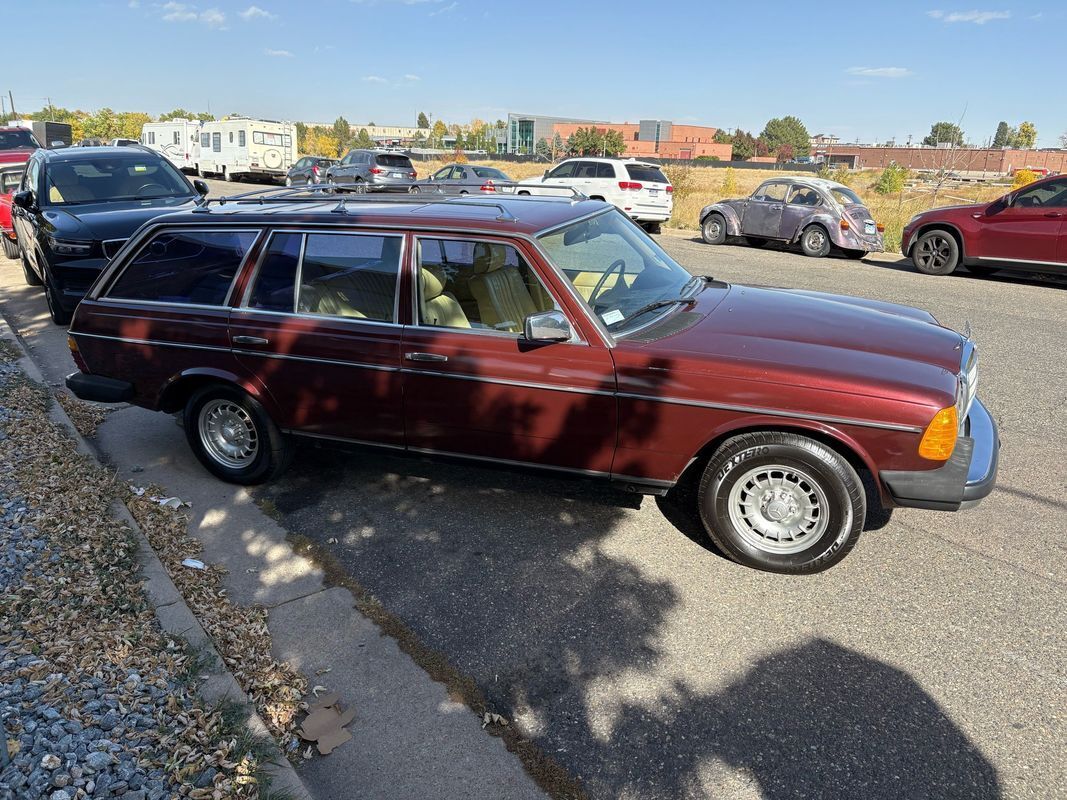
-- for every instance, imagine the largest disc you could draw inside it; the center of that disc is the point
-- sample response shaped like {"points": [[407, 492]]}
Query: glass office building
{"points": [[525, 129]]}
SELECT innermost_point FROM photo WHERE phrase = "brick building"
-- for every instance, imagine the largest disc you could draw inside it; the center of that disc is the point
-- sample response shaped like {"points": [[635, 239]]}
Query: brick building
{"points": [[982, 160], [657, 138]]}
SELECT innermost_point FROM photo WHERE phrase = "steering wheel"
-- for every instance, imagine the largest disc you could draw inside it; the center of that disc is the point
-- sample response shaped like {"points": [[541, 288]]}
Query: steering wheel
{"points": [[616, 264], [159, 186]]}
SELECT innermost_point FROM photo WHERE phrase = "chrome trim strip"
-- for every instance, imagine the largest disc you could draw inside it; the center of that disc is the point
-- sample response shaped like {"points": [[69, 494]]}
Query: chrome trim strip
{"points": [[1022, 261], [865, 423], [298, 277], [510, 462], [327, 437], [165, 304], [307, 315], [156, 342], [504, 382], [313, 360]]}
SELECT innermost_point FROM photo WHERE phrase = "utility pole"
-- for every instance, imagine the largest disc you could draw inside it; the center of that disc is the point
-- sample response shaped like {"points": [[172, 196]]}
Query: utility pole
{"points": [[51, 110], [11, 97]]}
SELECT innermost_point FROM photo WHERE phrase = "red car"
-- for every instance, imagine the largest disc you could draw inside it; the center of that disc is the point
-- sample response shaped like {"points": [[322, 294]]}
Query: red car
{"points": [[1025, 229], [16, 147], [536, 331]]}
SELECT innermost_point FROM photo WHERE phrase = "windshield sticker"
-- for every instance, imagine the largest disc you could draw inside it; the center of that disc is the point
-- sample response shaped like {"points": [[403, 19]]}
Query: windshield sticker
{"points": [[140, 168], [613, 316]]}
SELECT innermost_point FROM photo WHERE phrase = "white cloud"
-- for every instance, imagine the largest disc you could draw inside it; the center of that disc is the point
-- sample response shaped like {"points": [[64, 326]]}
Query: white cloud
{"points": [[879, 72], [134, 4], [410, 77], [213, 18], [182, 12], [977, 17], [255, 12], [445, 9], [374, 79], [278, 53]]}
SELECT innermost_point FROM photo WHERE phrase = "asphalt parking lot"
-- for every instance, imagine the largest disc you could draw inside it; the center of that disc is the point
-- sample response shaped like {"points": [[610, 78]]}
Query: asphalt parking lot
{"points": [[930, 663]]}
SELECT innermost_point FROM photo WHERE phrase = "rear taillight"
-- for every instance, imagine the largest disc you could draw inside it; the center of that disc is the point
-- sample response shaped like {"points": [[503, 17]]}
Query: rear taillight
{"points": [[314, 170], [629, 185], [413, 174], [376, 170], [670, 189], [488, 187]]}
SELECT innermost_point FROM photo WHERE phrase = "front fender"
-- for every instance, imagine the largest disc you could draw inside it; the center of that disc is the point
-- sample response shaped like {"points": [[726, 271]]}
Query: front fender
{"points": [[729, 213]]}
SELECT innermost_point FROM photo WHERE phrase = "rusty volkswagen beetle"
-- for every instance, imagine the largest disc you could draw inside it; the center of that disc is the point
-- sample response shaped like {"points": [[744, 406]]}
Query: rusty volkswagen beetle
{"points": [[814, 212]]}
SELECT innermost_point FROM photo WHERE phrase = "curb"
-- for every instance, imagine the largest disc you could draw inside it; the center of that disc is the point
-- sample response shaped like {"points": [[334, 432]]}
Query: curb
{"points": [[174, 615]]}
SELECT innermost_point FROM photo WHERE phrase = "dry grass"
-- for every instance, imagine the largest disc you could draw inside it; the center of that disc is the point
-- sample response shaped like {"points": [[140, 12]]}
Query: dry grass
{"points": [[706, 185]]}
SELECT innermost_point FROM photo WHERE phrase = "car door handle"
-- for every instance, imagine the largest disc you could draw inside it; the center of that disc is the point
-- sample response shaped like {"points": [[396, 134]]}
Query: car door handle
{"points": [[435, 357], [1054, 214], [250, 340], [776, 207]]}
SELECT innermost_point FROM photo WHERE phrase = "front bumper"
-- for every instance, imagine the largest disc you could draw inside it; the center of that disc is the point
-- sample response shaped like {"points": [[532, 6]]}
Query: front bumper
{"points": [[965, 478], [99, 389]]}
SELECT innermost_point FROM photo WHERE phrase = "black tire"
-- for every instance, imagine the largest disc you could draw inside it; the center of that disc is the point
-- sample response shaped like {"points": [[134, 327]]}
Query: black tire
{"points": [[11, 249], [414, 190], [856, 255], [272, 451], [652, 227], [59, 315], [814, 478], [936, 252], [982, 271], [32, 278], [524, 194], [815, 241], [228, 176], [713, 229], [288, 181]]}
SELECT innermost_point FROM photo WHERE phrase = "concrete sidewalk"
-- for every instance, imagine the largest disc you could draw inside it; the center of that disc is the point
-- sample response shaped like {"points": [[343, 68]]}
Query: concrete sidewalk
{"points": [[408, 738]]}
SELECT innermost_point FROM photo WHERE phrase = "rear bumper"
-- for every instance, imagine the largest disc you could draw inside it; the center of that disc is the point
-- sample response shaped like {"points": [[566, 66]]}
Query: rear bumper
{"points": [[965, 478], [99, 389]]}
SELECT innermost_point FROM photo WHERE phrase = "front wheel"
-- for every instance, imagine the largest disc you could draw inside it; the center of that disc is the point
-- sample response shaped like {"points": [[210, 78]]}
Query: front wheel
{"points": [[59, 315], [781, 502], [815, 242], [936, 253], [233, 436], [32, 278], [713, 229]]}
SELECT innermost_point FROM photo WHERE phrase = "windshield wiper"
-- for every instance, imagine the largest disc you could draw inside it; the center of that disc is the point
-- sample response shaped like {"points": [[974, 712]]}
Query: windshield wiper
{"points": [[674, 301]]}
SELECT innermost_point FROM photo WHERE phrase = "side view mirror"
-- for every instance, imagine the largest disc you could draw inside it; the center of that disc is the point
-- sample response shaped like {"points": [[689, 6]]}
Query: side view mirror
{"points": [[24, 199], [999, 204], [547, 326], [201, 187], [546, 173]]}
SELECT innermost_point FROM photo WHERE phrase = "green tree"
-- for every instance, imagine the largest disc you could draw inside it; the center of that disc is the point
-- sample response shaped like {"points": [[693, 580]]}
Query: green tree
{"points": [[785, 153], [131, 122], [342, 133], [787, 130], [460, 143], [744, 145], [205, 116], [301, 137], [557, 146], [362, 139], [439, 131], [1000, 138], [1026, 136], [543, 149], [424, 121], [892, 180], [613, 144], [722, 137], [944, 132], [104, 124]]}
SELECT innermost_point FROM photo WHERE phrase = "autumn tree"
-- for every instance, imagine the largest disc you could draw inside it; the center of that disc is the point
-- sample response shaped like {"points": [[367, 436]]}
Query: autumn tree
{"points": [[321, 142], [104, 124], [439, 131], [1025, 136]]}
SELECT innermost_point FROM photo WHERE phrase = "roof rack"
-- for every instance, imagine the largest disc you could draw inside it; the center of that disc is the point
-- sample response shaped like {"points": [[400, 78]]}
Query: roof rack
{"points": [[425, 196]]}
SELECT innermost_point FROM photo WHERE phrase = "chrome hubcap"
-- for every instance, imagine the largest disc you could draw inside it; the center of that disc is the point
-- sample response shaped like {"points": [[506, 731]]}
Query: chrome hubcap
{"points": [[778, 509], [934, 251], [816, 240], [228, 433], [713, 227]]}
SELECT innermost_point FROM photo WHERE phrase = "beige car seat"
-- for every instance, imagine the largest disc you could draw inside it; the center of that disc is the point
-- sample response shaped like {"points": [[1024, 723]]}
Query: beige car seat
{"points": [[65, 186], [503, 298], [439, 307]]}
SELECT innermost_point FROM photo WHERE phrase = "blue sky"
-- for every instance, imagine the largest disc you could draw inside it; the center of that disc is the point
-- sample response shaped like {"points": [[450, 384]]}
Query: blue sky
{"points": [[866, 71]]}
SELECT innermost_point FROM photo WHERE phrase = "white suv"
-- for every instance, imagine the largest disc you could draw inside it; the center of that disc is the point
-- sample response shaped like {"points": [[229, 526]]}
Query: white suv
{"points": [[638, 188]]}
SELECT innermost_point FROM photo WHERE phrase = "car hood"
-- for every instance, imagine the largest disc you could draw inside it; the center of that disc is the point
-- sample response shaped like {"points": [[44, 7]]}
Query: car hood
{"points": [[821, 341], [116, 220], [970, 208], [20, 155]]}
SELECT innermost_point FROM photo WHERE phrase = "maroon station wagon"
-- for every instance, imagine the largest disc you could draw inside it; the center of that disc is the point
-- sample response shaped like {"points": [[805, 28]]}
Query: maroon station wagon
{"points": [[540, 331]]}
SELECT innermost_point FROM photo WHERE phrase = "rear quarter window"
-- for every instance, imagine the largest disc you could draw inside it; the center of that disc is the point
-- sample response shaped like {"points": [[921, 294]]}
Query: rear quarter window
{"points": [[647, 174], [185, 267]]}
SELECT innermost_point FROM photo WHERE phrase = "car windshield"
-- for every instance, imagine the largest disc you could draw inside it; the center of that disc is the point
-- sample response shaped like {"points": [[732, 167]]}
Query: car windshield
{"points": [[845, 197], [617, 269], [490, 174], [104, 178], [13, 140]]}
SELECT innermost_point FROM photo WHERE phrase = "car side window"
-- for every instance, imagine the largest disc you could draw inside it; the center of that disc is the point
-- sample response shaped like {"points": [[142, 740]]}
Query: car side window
{"points": [[350, 275], [442, 174], [771, 193], [275, 282], [803, 196], [187, 267], [585, 169], [564, 170], [477, 285], [1052, 194], [605, 170], [29, 178]]}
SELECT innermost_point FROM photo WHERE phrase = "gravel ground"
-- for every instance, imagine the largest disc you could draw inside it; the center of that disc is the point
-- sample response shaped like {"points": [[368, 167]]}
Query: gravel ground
{"points": [[94, 700]]}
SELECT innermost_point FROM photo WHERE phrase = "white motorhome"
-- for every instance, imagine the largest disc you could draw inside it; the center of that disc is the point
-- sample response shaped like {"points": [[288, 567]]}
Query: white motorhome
{"points": [[239, 147], [178, 140]]}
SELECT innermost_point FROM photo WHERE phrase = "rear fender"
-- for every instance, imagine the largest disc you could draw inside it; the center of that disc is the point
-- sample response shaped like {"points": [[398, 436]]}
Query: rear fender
{"points": [[830, 222], [176, 391]]}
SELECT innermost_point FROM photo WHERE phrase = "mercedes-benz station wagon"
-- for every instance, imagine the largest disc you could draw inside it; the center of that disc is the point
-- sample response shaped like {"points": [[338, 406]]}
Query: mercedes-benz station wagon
{"points": [[549, 332]]}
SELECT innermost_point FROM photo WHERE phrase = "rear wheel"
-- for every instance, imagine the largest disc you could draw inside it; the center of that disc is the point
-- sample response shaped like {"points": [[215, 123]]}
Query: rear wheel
{"points": [[652, 227], [414, 190], [936, 253], [32, 278], [228, 176], [233, 436], [815, 242], [11, 249], [524, 193], [713, 229], [781, 502]]}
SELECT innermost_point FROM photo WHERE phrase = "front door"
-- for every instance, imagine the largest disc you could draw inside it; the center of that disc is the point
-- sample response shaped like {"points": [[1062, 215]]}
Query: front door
{"points": [[474, 386], [800, 204], [1029, 230], [763, 214], [318, 327]]}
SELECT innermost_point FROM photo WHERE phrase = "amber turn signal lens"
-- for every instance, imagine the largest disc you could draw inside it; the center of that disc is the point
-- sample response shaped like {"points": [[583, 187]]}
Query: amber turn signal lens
{"points": [[844, 224], [73, 345], [940, 438], [880, 227]]}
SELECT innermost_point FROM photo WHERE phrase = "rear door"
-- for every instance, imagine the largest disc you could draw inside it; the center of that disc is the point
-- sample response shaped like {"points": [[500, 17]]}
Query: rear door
{"points": [[318, 325], [652, 197], [763, 213], [1030, 229]]}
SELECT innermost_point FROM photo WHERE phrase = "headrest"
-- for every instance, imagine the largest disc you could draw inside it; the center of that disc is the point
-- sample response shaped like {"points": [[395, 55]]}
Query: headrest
{"points": [[432, 285], [488, 257]]}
